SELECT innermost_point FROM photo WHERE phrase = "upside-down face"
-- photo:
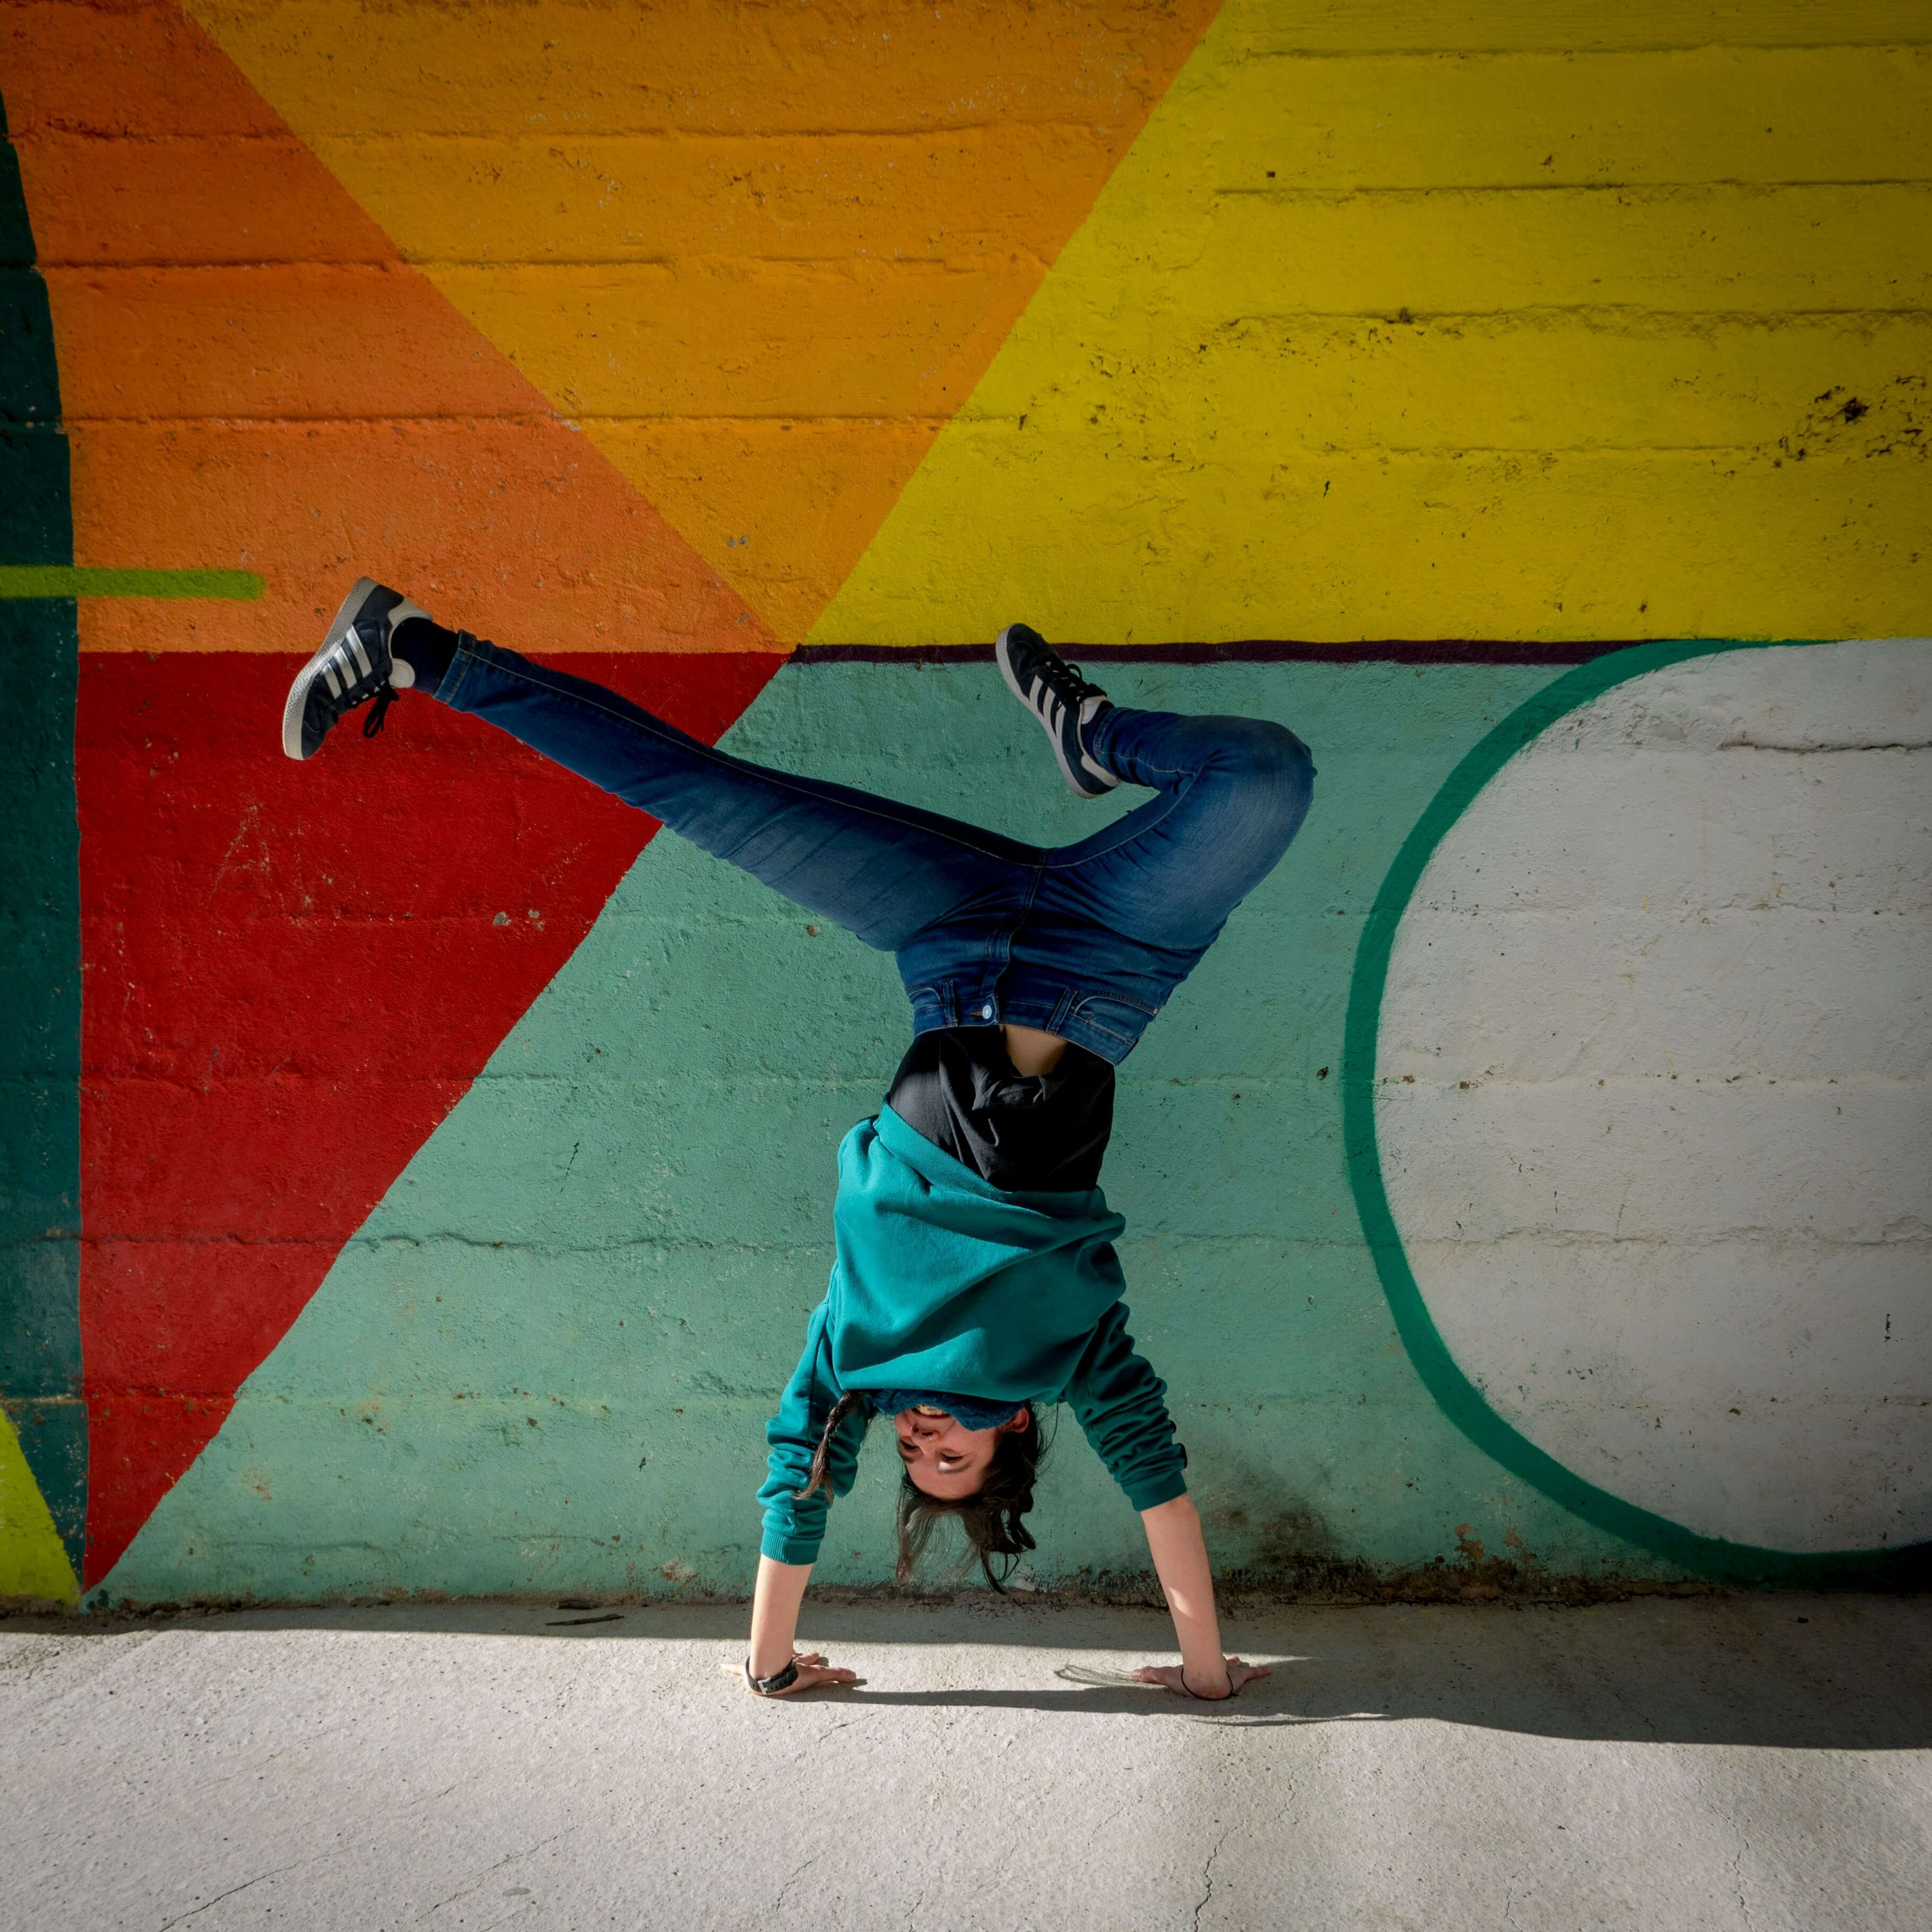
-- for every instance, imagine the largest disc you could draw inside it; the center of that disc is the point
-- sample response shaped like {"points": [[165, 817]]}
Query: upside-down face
{"points": [[943, 1460]]}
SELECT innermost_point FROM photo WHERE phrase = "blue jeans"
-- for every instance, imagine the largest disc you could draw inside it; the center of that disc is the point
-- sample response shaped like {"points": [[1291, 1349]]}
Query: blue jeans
{"points": [[1085, 940]]}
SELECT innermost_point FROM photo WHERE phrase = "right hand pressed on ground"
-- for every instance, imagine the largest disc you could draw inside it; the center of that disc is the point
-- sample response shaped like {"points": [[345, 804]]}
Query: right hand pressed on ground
{"points": [[1173, 1677], [813, 1670]]}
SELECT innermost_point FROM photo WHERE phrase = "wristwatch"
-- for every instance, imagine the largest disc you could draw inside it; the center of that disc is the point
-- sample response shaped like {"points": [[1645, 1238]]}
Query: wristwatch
{"points": [[770, 1686]]}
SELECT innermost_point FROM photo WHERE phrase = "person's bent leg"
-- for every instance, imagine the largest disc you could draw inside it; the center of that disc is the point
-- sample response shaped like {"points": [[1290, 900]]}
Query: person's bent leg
{"points": [[882, 870], [1231, 794]]}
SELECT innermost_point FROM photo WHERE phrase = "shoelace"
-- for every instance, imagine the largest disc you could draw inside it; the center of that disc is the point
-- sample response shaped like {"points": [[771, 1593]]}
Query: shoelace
{"points": [[386, 696], [1065, 681]]}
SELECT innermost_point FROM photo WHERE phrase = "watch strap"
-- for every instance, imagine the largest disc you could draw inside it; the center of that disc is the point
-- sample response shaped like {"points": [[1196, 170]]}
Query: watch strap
{"points": [[770, 1686]]}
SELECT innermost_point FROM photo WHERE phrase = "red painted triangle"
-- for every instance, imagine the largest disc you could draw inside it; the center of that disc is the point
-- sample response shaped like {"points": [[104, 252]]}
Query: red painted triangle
{"points": [[293, 972]]}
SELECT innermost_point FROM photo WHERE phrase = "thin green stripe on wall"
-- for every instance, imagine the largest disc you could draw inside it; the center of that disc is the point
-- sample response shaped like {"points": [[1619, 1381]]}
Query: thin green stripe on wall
{"points": [[67, 579]]}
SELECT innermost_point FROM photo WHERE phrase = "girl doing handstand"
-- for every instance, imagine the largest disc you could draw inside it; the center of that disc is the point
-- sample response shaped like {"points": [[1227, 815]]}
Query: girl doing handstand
{"points": [[976, 1282]]}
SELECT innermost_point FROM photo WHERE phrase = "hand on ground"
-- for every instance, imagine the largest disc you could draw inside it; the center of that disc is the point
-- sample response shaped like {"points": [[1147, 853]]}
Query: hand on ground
{"points": [[1172, 1677], [813, 1671]]}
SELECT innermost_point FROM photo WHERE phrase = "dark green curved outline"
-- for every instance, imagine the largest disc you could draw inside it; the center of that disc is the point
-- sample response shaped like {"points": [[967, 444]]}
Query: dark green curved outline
{"points": [[1459, 1398]]}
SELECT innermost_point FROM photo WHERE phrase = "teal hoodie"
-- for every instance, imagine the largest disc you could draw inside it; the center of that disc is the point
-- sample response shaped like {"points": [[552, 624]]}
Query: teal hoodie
{"points": [[943, 1281]]}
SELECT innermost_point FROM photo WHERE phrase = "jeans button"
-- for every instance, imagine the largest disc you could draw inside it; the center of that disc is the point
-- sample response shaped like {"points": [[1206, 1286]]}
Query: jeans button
{"points": [[986, 1012]]}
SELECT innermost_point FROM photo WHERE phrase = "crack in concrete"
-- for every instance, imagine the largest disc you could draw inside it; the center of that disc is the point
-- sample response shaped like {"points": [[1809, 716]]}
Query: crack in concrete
{"points": [[179, 1918], [1207, 1879], [777, 1904], [508, 1859]]}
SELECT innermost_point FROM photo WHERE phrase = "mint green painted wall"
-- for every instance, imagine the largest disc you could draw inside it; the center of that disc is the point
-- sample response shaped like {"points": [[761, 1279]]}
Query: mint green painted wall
{"points": [[546, 1360]]}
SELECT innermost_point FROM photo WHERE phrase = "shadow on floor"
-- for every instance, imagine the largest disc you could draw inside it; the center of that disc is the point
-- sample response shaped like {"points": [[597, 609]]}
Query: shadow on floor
{"points": [[1803, 1672]]}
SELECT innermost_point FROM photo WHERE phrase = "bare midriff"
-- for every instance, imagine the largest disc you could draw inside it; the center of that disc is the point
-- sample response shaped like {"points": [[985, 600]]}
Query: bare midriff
{"points": [[1032, 1051]]}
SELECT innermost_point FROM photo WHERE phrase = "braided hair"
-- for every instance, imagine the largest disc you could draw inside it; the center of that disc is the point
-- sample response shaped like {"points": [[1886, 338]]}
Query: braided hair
{"points": [[820, 1478]]}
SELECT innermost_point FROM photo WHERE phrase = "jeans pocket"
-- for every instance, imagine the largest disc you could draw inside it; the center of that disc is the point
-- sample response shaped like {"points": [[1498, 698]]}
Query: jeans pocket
{"points": [[1121, 1019], [933, 1006]]}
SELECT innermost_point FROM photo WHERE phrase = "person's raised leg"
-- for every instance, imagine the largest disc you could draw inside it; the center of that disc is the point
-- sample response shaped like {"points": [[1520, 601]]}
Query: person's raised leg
{"points": [[1230, 795], [882, 869]]}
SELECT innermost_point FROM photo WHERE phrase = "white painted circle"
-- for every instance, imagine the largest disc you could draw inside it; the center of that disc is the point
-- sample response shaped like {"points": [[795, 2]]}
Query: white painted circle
{"points": [[1654, 1094]]}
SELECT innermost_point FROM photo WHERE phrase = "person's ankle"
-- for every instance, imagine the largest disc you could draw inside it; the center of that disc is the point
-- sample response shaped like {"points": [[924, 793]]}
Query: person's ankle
{"points": [[1093, 730], [426, 648]]}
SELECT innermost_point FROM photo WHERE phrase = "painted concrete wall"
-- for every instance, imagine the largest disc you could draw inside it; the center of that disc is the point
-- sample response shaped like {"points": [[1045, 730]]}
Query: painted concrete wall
{"points": [[417, 1176]]}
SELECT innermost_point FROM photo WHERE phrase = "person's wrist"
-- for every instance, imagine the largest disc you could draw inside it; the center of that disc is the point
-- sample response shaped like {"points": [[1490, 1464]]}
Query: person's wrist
{"points": [[772, 1685], [1208, 1690]]}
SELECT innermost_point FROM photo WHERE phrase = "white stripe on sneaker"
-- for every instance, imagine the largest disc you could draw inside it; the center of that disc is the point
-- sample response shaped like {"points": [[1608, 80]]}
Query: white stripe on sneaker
{"points": [[361, 655]]}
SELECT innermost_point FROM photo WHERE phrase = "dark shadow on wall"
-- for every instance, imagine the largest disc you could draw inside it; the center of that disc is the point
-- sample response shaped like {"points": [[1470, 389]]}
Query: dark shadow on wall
{"points": [[1779, 1672], [39, 902]]}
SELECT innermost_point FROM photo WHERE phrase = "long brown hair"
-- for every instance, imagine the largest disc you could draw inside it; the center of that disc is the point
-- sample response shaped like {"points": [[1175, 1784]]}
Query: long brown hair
{"points": [[993, 1519], [820, 1478]]}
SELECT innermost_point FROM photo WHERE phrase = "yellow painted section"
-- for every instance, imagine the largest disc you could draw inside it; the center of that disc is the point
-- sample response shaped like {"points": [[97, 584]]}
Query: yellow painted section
{"points": [[33, 1560], [1385, 330], [759, 254], [1576, 26], [1702, 114]]}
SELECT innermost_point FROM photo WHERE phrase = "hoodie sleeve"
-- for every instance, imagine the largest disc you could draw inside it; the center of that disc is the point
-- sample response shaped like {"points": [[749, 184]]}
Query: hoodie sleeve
{"points": [[1121, 1404], [793, 1530]]}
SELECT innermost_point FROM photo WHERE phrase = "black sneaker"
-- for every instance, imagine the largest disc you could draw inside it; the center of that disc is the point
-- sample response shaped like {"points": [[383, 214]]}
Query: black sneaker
{"points": [[1063, 700], [354, 665]]}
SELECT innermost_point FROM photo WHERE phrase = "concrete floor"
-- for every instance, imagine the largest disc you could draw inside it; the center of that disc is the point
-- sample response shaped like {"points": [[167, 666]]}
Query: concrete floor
{"points": [[1747, 1762]]}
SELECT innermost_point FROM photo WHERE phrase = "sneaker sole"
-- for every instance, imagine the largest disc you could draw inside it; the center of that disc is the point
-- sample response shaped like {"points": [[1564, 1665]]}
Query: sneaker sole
{"points": [[1078, 787], [291, 712]]}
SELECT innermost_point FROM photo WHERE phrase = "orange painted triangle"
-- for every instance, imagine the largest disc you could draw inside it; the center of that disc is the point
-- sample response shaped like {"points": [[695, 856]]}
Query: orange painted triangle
{"points": [[761, 255], [251, 377]]}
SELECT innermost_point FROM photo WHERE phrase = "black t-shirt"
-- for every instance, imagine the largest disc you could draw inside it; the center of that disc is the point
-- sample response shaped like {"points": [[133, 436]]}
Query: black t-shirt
{"points": [[1045, 1133]]}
